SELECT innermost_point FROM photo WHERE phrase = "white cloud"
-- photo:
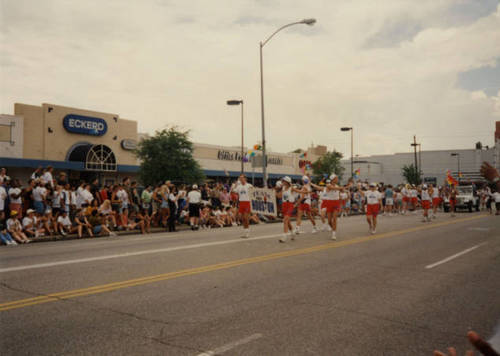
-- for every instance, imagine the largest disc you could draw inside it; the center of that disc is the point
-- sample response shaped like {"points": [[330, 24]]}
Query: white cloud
{"points": [[177, 62]]}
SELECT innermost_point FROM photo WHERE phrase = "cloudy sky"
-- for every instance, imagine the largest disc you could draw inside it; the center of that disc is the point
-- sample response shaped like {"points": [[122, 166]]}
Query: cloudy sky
{"points": [[390, 69]]}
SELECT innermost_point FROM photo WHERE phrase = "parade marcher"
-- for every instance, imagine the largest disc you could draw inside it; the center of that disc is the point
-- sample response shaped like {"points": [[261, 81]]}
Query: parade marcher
{"points": [[413, 193], [453, 200], [332, 202], [425, 195], [373, 206], [288, 201], [243, 190], [436, 199], [304, 207], [322, 208]]}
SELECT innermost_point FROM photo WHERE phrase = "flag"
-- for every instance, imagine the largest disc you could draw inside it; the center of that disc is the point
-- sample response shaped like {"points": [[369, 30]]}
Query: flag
{"points": [[449, 179], [357, 173]]}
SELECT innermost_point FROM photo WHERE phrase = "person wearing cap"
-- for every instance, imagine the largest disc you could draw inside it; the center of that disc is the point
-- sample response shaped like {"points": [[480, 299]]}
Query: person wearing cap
{"points": [[373, 206], [305, 205], [322, 206], [30, 224], [15, 229], [426, 202], [288, 203], [332, 201], [64, 225], [193, 201], [243, 191]]}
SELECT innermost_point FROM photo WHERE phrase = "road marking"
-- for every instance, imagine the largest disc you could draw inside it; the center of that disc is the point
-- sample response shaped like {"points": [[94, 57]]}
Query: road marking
{"points": [[479, 229], [130, 254], [447, 259], [231, 345], [215, 267]]}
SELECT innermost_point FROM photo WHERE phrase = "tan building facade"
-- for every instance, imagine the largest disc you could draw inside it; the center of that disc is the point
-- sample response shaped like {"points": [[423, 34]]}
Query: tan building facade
{"points": [[91, 144]]}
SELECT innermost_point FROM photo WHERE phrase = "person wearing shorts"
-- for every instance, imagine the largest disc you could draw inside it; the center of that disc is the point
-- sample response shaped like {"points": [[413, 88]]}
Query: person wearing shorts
{"points": [[373, 206], [426, 202], [436, 200], [242, 188], [332, 202], [305, 205], [288, 198]]}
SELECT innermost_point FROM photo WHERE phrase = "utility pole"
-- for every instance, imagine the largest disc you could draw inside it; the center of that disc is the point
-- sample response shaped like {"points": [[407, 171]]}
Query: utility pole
{"points": [[415, 144]]}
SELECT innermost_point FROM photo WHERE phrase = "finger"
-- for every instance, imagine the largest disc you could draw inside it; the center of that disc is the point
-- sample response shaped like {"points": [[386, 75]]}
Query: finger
{"points": [[438, 353], [480, 344]]}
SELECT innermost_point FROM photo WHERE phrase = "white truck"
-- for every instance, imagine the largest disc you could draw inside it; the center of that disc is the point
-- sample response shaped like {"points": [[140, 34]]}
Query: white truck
{"points": [[467, 198]]}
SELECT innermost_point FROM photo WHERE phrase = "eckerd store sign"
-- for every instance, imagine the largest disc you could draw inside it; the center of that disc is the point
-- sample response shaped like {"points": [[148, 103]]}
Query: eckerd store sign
{"points": [[85, 125]]}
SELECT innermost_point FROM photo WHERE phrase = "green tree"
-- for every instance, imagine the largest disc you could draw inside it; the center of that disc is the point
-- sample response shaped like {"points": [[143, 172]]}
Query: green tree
{"points": [[327, 164], [409, 172], [168, 155]]}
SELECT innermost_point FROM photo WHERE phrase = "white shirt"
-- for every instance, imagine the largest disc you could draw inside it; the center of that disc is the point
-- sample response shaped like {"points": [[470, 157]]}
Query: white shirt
{"points": [[243, 191], [78, 197], [86, 196], [122, 195], [47, 178], [28, 221], [288, 196], [67, 197], [3, 197], [426, 195], [15, 191], [404, 192], [435, 192], [13, 225], [194, 197], [332, 195], [56, 199], [413, 193], [373, 197], [65, 221]]}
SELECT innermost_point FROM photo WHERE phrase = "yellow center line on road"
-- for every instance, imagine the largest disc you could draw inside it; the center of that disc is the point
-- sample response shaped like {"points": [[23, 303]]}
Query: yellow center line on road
{"points": [[16, 304]]}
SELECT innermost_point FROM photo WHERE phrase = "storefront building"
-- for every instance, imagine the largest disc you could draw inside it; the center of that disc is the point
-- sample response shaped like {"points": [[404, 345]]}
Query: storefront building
{"points": [[89, 144]]}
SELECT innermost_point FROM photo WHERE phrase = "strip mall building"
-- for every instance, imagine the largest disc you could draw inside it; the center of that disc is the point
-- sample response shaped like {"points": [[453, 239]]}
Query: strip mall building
{"points": [[89, 144]]}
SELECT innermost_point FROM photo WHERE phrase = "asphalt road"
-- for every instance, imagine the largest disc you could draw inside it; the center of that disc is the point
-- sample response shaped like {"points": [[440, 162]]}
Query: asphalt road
{"points": [[407, 290]]}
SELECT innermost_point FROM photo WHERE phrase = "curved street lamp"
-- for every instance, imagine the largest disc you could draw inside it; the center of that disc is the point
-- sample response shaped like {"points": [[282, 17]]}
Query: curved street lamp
{"points": [[308, 22]]}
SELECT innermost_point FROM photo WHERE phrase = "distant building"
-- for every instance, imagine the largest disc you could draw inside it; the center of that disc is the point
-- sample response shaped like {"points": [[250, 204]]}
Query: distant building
{"points": [[387, 168]]}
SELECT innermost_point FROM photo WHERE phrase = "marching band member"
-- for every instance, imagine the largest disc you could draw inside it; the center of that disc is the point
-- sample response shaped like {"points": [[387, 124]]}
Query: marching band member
{"points": [[373, 206], [436, 200], [288, 203], [304, 207], [243, 190], [426, 202]]}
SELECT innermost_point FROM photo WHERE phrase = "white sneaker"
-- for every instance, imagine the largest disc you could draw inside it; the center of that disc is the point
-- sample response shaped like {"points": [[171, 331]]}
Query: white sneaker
{"points": [[246, 233], [374, 231], [112, 234], [314, 230], [334, 236], [328, 228], [297, 230], [284, 238]]}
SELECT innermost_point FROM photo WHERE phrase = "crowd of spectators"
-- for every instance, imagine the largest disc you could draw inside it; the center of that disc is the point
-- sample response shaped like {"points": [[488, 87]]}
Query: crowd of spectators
{"points": [[48, 204]]}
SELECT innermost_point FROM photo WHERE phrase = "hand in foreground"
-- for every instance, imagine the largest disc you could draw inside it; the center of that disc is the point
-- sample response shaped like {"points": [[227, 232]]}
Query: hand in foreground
{"points": [[482, 346]]}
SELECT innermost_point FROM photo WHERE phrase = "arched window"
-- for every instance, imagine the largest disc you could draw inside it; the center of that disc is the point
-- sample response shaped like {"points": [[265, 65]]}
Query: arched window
{"points": [[100, 158]]}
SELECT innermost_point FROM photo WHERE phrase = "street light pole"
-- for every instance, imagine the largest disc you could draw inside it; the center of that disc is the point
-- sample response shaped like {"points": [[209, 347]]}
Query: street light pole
{"points": [[458, 164], [240, 102], [309, 22], [352, 145]]}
